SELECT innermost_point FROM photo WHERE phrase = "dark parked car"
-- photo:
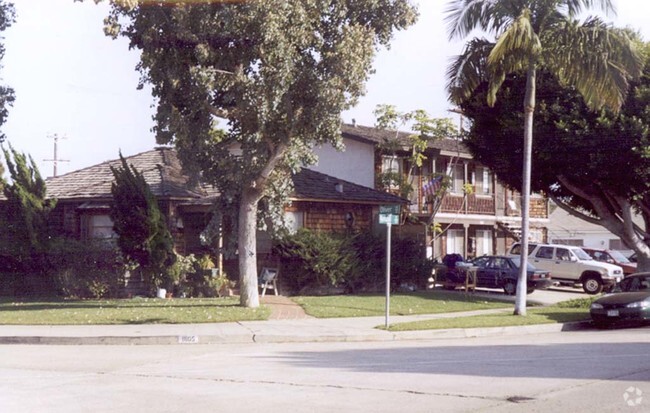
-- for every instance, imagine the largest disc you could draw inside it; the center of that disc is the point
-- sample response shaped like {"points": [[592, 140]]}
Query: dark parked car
{"points": [[612, 257], [502, 272], [628, 302]]}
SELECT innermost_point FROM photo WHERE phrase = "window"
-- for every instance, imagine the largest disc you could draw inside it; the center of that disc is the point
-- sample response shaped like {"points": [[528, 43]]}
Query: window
{"points": [[574, 242], [562, 254], [391, 164], [456, 241], [100, 227], [482, 181], [545, 253], [294, 220], [616, 244], [457, 174], [483, 242]]}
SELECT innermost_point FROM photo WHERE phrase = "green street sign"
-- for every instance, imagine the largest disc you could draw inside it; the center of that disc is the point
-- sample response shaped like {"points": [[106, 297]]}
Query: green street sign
{"points": [[389, 214], [388, 219], [388, 209]]}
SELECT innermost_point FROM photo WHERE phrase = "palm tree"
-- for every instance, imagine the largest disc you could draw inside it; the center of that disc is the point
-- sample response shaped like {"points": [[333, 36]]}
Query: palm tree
{"points": [[595, 58]]}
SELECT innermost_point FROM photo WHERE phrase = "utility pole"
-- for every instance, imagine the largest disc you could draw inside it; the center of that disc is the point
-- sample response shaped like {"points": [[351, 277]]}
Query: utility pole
{"points": [[55, 160]]}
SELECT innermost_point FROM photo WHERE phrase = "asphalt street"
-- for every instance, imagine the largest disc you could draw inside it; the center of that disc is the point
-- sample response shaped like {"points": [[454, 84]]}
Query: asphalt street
{"points": [[581, 371]]}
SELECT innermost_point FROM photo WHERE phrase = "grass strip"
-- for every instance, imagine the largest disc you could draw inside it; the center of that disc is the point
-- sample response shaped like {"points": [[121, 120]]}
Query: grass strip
{"points": [[547, 315], [131, 311], [426, 302]]}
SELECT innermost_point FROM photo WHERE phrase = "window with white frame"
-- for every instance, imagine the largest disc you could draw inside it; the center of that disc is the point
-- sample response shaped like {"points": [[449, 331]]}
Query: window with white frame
{"points": [[391, 164], [485, 182], [457, 174], [101, 227], [455, 241], [294, 220], [483, 242]]}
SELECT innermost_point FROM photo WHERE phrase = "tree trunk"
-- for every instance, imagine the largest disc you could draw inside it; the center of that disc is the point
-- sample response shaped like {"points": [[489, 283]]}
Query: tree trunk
{"points": [[247, 248], [529, 109]]}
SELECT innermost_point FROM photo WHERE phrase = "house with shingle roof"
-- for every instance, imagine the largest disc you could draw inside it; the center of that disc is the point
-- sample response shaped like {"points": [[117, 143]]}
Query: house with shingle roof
{"points": [[319, 201], [486, 221]]}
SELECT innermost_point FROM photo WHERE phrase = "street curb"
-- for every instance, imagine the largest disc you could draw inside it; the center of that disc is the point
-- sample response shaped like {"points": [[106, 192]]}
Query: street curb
{"points": [[260, 337]]}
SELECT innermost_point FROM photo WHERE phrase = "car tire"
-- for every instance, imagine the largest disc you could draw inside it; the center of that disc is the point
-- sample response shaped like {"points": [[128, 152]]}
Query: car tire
{"points": [[510, 287], [592, 285], [530, 290]]}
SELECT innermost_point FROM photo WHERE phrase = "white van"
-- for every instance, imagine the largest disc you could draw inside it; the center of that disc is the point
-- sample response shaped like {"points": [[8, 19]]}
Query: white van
{"points": [[571, 265]]}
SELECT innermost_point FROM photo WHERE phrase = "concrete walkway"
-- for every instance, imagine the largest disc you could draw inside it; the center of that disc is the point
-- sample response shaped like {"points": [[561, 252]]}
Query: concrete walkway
{"points": [[287, 324], [283, 308]]}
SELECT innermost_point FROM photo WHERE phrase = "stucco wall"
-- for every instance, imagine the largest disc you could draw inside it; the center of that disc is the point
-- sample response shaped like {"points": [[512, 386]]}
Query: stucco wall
{"points": [[355, 164]]}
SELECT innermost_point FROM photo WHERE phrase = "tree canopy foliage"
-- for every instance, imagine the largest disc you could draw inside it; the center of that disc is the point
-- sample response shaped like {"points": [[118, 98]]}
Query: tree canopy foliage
{"points": [[596, 165], [277, 74], [530, 35], [143, 235]]}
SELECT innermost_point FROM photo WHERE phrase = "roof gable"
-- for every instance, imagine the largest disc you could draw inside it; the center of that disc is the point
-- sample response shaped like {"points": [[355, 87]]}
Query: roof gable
{"points": [[163, 172], [160, 168], [316, 186]]}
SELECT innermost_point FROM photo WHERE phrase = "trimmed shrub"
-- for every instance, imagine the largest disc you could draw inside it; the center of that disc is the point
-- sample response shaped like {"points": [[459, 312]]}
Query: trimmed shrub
{"points": [[312, 259], [86, 269]]}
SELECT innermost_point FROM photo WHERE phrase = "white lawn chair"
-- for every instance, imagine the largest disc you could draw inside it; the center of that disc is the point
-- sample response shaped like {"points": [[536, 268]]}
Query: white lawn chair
{"points": [[268, 279]]}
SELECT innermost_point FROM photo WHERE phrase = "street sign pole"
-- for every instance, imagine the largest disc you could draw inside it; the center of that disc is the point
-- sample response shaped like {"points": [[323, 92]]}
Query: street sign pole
{"points": [[389, 215], [388, 233]]}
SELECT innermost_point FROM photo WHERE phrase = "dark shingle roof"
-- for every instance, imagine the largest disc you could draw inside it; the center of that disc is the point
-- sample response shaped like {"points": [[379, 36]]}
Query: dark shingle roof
{"points": [[316, 186], [376, 136], [160, 167], [163, 172]]}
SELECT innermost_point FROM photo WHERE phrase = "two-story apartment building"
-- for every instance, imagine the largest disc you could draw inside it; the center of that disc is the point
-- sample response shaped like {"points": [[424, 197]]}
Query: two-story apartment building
{"points": [[485, 220]]}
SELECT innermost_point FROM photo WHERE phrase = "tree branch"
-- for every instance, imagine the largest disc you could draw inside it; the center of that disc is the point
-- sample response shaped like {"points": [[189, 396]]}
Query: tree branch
{"points": [[572, 211]]}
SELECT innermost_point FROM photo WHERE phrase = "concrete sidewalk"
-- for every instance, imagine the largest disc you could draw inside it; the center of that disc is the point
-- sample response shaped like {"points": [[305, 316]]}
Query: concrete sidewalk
{"points": [[294, 327]]}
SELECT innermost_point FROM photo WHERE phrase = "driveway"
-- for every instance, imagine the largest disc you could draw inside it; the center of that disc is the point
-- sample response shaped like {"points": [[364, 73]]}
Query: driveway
{"points": [[541, 297]]}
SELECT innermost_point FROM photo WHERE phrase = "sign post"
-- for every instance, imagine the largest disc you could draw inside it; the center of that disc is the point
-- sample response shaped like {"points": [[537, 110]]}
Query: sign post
{"points": [[389, 215]]}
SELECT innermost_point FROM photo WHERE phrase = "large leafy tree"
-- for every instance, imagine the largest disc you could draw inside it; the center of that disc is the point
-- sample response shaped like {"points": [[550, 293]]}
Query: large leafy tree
{"points": [[277, 73], [143, 235], [595, 58], [595, 165]]}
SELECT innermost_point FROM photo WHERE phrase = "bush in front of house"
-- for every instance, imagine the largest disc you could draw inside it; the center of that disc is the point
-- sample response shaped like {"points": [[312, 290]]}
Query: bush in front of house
{"points": [[198, 278], [86, 269], [314, 260], [321, 261], [409, 267]]}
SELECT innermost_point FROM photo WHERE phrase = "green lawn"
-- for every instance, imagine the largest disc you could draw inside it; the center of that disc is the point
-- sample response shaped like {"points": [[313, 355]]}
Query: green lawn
{"points": [[429, 302], [132, 311], [547, 315]]}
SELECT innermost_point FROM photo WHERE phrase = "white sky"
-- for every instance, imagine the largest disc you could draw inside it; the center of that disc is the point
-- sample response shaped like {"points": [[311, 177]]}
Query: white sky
{"points": [[72, 81]]}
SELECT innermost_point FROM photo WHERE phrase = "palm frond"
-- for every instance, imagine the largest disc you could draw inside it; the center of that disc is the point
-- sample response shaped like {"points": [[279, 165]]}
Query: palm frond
{"points": [[518, 39], [574, 8], [596, 58], [468, 70], [490, 16]]}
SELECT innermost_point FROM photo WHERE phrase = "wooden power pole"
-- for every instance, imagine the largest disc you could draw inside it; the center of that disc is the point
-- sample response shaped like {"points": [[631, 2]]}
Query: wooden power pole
{"points": [[55, 159]]}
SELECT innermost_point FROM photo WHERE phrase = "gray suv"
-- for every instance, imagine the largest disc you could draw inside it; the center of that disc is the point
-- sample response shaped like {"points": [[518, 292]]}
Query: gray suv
{"points": [[571, 265]]}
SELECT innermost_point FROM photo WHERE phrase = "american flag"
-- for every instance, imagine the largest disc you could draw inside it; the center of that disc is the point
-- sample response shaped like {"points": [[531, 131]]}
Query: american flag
{"points": [[430, 188]]}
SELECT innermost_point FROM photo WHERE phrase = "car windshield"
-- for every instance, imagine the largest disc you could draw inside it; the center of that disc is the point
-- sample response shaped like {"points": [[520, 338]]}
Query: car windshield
{"points": [[517, 262], [618, 257], [581, 254], [632, 284]]}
